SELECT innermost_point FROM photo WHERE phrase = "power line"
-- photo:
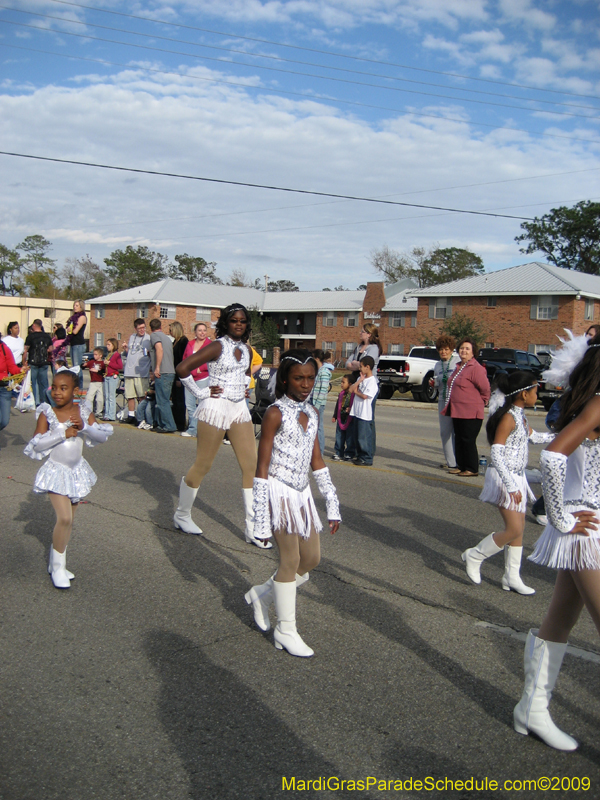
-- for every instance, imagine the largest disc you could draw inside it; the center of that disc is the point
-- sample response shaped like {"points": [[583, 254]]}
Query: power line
{"points": [[270, 90], [258, 186], [324, 52], [325, 66]]}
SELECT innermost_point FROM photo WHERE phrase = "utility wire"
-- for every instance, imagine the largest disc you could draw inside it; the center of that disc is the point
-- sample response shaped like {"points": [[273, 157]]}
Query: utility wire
{"points": [[323, 52], [270, 90], [259, 186], [324, 66]]}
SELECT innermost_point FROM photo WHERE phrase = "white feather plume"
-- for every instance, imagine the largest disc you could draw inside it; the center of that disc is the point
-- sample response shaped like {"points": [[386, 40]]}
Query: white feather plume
{"points": [[566, 359], [496, 401]]}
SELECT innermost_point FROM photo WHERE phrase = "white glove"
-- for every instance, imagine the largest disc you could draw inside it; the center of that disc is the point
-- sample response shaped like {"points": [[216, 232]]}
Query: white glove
{"points": [[499, 463], [42, 443], [327, 489], [96, 434], [537, 437], [260, 509], [553, 467], [190, 384]]}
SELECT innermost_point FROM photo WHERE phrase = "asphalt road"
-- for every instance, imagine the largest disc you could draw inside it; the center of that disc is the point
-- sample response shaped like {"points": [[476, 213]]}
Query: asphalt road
{"points": [[148, 680]]}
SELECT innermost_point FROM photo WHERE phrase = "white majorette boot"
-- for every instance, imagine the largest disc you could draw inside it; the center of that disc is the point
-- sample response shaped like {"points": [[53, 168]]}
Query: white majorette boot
{"points": [[264, 544], [542, 664], [512, 566], [285, 634], [475, 556], [183, 516], [70, 575], [59, 573], [261, 597]]}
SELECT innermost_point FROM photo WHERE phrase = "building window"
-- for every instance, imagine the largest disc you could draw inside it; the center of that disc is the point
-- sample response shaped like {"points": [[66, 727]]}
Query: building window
{"points": [[395, 349], [168, 312], [142, 311], [120, 307], [541, 348], [99, 312], [348, 348], [351, 319], [589, 309], [118, 337], [544, 307], [395, 319], [489, 344], [329, 319], [99, 340], [203, 314], [329, 346], [403, 319], [492, 302], [440, 307]]}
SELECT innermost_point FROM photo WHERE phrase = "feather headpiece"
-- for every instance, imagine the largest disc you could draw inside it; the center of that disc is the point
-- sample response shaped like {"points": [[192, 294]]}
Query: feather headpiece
{"points": [[566, 359]]}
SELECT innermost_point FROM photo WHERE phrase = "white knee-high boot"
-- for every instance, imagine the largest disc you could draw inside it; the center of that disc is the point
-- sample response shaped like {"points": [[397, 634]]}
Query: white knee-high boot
{"points": [[69, 575], [285, 634], [59, 573], [264, 544], [542, 664], [475, 556], [512, 568], [261, 597], [183, 516]]}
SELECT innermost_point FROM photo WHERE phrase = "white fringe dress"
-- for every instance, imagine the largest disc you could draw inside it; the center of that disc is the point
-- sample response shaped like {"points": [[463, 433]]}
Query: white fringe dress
{"points": [[292, 506], [66, 472], [560, 549], [506, 474], [230, 374]]}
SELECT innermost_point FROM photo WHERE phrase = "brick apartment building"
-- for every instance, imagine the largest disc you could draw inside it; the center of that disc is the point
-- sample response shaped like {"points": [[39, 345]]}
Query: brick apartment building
{"points": [[524, 307]]}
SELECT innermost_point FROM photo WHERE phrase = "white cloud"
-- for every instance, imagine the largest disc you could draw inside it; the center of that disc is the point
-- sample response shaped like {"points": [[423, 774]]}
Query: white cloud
{"points": [[519, 11]]}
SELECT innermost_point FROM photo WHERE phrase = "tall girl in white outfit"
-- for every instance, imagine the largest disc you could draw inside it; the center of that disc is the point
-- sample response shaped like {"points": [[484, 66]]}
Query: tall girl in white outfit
{"points": [[505, 483], [66, 476], [283, 503], [222, 408], [571, 541]]}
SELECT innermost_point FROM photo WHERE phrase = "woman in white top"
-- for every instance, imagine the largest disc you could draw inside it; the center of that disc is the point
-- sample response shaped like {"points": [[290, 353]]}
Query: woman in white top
{"points": [[14, 341]]}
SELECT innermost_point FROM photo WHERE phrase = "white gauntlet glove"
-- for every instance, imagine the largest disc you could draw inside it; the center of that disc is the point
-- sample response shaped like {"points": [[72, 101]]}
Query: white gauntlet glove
{"points": [[499, 463], [42, 443], [191, 386], [538, 437], [553, 467], [327, 489], [96, 434], [260, 509]]}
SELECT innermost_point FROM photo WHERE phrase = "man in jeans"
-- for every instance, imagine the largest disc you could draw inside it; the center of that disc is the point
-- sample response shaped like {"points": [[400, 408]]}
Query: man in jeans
{"points": [[35, 355], [137, 368], [164, 375]]}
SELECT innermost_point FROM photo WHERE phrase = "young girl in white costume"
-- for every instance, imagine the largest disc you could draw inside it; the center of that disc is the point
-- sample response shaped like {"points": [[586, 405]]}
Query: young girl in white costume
{"points": [[570, 542], [283, 503], [505, 483], [66, 476], [222, 409]]}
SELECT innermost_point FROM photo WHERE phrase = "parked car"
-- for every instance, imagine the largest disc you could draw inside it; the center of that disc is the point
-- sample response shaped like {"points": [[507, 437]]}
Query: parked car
{"points": [[412, 373], [505, 360]]}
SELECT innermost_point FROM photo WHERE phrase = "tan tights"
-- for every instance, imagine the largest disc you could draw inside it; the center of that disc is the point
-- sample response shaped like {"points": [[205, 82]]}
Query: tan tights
{"points": [[572, 590], [65, 511], [241, 436], [514, 525], [296, 554]]}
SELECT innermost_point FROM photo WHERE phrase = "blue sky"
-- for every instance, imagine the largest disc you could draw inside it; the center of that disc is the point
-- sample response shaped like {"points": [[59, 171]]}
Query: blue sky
{"points": [[466, 104]]}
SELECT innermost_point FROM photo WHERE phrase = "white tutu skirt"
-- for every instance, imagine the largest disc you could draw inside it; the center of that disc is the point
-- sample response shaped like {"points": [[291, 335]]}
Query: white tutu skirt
{"points": [[495, 492], [567, 550], [291, 510], [72, 482], [222, 413]]}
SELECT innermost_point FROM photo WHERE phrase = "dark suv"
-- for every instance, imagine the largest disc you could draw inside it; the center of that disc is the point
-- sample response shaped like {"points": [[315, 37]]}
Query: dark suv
{"points": [[498, 360]]}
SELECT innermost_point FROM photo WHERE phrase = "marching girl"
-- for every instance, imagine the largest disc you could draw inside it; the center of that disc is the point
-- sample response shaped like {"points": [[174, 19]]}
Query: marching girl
{"points": [[506, 486], [66, 476], [222, 409], [283, 503], [570, 542]]}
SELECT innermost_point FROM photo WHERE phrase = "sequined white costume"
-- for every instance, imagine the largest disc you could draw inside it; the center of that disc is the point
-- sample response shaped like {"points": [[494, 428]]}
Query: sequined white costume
{"points": [[506, 473], [65, 472], [284, 502], [570, 484], [230, 374]]}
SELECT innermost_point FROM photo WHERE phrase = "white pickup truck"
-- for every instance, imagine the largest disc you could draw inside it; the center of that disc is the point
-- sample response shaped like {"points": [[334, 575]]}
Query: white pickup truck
{"points": [[412, 373]]}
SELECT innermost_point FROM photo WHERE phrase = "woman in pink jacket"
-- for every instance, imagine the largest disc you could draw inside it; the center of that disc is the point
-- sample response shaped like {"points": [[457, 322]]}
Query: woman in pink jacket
{"points": [[468, 392]]}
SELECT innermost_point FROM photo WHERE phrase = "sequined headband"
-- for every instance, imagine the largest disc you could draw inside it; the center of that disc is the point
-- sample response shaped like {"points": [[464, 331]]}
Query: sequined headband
{"points": [[297, 360], [524, 389]]}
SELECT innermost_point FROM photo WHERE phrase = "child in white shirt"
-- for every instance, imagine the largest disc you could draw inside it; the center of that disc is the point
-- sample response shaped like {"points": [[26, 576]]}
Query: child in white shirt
{"points": [[364, 390]]}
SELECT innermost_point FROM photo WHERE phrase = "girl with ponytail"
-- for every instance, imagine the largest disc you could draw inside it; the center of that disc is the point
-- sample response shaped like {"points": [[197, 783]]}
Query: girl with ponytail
{"points": [[506, 486]]}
